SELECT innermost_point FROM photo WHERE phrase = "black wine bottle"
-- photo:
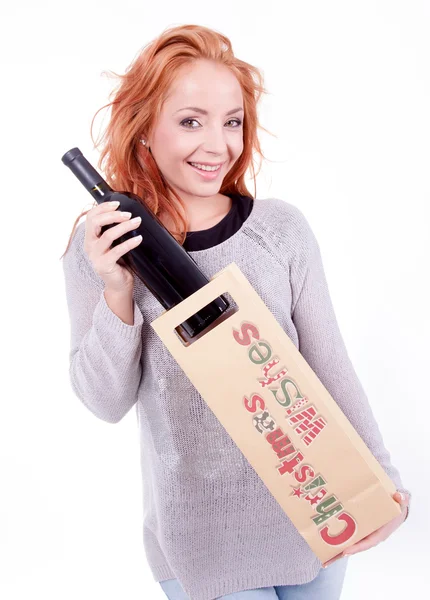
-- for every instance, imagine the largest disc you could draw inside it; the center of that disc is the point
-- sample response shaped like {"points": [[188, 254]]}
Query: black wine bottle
{"points": [[163, 265]]}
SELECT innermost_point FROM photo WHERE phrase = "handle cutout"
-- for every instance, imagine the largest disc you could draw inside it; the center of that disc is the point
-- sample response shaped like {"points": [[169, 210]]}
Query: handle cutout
{"points": [[187, 341]]}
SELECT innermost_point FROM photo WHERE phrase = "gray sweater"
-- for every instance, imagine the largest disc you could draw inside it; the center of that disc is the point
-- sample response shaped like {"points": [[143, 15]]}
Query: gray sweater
{"points": [[209, 520]]}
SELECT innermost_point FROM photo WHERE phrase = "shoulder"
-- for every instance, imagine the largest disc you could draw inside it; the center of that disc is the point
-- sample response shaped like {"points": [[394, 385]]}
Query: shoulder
{"points": [[76, 261], [284, 225], [74, 254], [285, 232]]}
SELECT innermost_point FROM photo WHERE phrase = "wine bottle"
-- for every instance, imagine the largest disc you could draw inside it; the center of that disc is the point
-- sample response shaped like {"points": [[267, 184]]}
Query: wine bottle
{"points": [[163, 265]]}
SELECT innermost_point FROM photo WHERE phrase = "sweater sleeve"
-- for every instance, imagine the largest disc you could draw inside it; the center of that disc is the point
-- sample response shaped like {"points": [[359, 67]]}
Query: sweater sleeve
{"points": [[322, 345], [104, 359]]}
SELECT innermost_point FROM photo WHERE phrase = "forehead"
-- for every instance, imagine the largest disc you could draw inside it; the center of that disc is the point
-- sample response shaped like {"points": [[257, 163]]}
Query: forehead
{"points": [[204, 84]]}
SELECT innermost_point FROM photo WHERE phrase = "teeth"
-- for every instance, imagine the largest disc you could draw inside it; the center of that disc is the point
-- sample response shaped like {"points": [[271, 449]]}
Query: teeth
{"points": [[205, 167]]}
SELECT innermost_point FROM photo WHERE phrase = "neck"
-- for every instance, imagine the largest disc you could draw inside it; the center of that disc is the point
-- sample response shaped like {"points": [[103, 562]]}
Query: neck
{"points": [[206, 213]]}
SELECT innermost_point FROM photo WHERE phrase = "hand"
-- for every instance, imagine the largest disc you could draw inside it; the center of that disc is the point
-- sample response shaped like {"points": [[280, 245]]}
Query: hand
{"points": [[379, 535], [98, 245]]}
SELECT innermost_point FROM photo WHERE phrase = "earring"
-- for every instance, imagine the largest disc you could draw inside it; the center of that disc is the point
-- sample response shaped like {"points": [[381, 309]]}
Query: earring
{"points": [[143, 142]]}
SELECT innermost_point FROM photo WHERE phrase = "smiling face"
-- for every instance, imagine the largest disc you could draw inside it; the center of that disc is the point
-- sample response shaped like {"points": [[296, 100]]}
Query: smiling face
{"points": [[183, 135]]}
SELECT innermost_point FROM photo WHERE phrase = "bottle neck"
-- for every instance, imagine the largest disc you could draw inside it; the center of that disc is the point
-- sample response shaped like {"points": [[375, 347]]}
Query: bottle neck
{"points": [[101, 191]]}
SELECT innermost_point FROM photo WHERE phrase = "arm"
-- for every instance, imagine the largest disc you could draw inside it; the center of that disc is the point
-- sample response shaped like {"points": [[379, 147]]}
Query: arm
{"points": [[105, 351], [121, 304], [322, 345]]}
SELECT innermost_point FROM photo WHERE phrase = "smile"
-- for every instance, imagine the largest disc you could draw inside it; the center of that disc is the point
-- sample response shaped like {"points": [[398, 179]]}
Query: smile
{"points": [[206, 167], [205, 171]]}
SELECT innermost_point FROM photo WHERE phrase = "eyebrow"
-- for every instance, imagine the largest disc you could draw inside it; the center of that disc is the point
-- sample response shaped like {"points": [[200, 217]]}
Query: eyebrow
{"points": [[205, 112]]}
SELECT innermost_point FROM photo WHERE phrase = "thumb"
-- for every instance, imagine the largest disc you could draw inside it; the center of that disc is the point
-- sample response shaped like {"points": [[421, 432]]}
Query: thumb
{"points": [[400, 498], [403, 501]]}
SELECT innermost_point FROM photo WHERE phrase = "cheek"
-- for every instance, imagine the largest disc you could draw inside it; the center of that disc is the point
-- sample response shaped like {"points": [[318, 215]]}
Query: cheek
{"points": [[173, 153], [178, 150], [170, 145], [238, 147]]}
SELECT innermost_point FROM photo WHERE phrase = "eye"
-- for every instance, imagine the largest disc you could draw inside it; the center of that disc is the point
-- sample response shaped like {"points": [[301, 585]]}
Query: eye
{"points": [[238, 121], [188, 121]]}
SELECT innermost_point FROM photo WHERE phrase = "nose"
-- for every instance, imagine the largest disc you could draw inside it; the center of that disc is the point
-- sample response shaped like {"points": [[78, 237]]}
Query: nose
{"points": [[215, 142]]}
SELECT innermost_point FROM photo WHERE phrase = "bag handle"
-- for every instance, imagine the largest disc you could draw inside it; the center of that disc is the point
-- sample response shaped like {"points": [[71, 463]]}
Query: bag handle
{"points": [[230, 280]]}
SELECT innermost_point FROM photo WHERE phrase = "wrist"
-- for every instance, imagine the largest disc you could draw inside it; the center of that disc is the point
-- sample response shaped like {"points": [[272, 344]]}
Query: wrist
{"points": [[124, 292], [121, 303]]}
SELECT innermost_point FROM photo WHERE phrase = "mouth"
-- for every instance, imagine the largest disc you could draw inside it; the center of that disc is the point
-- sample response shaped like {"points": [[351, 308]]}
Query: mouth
{"points": [[208, 175]]}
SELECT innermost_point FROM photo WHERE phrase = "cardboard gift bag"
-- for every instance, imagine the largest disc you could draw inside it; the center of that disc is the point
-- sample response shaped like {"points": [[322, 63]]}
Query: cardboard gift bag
{"points": [[281, 417]]}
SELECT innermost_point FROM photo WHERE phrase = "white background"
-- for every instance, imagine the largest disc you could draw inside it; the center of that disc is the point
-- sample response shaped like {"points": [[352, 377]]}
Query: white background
{"points": [[349, 103]]}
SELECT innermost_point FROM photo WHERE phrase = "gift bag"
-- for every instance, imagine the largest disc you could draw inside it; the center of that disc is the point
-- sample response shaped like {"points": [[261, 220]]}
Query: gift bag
{"points": [[281, 417]]}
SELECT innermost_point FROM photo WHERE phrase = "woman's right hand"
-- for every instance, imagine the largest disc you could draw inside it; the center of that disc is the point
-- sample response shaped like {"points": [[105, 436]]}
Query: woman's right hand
{"points": [[98, 247]]}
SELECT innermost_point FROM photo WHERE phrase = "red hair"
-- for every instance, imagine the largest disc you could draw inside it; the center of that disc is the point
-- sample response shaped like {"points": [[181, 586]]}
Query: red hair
{"points": [[137, 103]]}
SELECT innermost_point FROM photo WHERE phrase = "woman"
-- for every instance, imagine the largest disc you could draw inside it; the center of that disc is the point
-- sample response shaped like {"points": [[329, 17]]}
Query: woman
{"points": [[182, 135]]}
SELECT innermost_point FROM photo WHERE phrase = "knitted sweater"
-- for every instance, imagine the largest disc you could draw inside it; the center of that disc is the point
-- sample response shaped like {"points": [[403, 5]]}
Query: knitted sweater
{"points": [[209, 520]]}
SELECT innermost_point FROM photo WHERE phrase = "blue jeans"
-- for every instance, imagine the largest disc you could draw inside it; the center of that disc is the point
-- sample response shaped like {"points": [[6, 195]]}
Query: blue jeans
{"points": [[327, 585]]}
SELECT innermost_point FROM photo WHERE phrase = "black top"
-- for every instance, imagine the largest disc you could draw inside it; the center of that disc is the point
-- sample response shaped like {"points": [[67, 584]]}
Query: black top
{"points": [[232, 222]]}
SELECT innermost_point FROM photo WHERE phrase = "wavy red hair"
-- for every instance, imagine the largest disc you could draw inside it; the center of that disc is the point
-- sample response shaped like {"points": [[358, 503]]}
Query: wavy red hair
{"points": [[136, 103]]}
